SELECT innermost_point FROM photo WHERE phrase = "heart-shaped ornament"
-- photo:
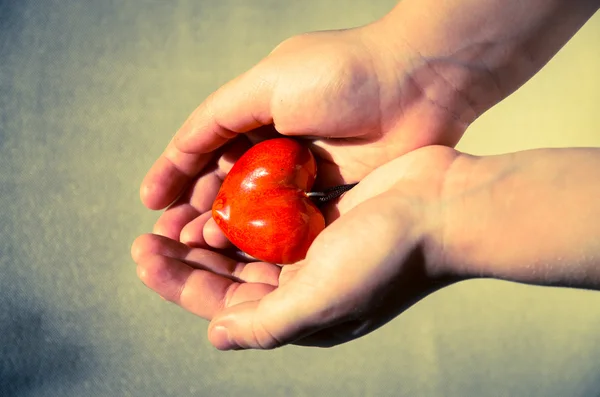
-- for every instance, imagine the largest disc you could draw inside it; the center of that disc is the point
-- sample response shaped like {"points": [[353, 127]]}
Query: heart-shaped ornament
{"points": [[263, 206]]}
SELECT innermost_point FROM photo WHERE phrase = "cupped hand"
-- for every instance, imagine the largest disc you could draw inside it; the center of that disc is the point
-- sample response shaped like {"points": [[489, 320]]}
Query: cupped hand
{"points": [[358, 103], [377, 258]]}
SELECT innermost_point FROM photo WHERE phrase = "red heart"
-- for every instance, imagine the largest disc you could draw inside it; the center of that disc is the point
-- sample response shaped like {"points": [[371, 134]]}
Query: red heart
{"points": [[262, 206]]}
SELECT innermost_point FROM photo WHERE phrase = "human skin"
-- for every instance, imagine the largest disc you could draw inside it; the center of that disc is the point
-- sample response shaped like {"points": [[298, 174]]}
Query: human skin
{"points": [[536, 217], [421, 222], [362, 98]]}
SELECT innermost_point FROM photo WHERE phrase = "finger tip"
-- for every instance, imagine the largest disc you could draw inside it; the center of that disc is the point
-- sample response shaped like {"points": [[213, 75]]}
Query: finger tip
{"points": [[220, 338], [147, 273], [150, 197], [190, 236], [140, 246], [185, 238], [214, 236]]}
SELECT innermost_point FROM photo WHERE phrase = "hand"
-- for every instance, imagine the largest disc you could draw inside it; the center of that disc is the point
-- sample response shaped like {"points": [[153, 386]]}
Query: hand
{"points": [[364, 96], [410, 227], [358, 104], [372, 262]]}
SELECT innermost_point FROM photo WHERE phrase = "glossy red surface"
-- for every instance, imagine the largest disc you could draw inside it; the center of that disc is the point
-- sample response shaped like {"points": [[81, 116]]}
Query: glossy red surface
{"points": [[262, 205]]}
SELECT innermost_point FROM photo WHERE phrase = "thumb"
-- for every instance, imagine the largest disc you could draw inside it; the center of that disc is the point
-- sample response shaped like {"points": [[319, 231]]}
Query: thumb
{"points": [[239, 106], [280, 317]]}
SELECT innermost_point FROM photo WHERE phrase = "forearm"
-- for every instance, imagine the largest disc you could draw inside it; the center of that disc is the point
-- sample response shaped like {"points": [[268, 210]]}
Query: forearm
{"points": [[530, 217], [474, 53]]}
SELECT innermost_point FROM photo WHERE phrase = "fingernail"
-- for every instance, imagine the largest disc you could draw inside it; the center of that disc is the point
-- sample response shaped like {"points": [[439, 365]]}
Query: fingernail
{"points": [[223, 340]]}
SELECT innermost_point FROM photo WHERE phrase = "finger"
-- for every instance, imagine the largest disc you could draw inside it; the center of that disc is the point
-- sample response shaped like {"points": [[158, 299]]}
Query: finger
{"points": [[283, 315], [198, 291], [204, 282], [262, 133], [173, 220], [202, 193], [204, 231], [199, 196], [152, 244], [196, 200], [191, 233], [214, 235], [241, 105], [259, 272], [169, 175], [175, 168]]}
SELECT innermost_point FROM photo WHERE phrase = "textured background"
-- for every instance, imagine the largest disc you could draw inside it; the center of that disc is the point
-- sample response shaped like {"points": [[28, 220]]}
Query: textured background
{"points": [[90, 93]]}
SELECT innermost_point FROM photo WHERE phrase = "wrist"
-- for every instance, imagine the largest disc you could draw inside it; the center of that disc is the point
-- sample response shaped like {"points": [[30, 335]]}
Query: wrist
{"points": [[527, 217], [428, 178], [462, 215], [447, 229], [467, 55]]}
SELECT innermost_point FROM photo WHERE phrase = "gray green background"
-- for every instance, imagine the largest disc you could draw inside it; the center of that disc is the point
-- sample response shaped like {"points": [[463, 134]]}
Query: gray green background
{"points": [[91, 92]]}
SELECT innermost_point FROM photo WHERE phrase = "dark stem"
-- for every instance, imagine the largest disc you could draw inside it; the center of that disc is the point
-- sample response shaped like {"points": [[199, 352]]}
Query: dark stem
{"points": [[330, 194]]}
